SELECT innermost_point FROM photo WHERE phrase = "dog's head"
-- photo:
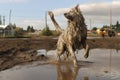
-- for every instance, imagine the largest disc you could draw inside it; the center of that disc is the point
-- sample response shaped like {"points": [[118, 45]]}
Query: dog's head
{"points": [[73, 13]]}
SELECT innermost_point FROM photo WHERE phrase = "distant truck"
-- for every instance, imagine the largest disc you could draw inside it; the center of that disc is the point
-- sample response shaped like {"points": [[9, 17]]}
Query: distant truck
{"points": [[103, 32], [111, 33]]}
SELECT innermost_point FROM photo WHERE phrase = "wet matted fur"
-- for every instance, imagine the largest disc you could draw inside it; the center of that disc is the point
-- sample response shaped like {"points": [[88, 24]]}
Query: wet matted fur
{"points": [[74, 36]]}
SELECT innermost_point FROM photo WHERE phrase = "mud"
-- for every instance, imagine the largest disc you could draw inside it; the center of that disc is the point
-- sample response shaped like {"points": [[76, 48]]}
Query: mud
{"points": [[14, 51]]}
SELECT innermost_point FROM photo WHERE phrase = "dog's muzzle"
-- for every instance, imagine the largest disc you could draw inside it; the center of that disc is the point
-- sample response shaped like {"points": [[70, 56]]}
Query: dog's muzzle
{"points": [[68, 16]]}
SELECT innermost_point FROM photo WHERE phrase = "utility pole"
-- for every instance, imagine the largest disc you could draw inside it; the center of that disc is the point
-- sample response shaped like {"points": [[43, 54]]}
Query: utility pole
{"points": [[90, 25], [46, 18], [0, 20], [110, 17], [110, 60], [12, 30], [3, 20], [10, 16]]}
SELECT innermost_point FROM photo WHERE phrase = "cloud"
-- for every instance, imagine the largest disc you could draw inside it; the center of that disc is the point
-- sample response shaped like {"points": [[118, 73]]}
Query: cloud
{"points": [[96, 9], [36, 23], [60, 11], [11, 1], [99, 13], [101, 9]]}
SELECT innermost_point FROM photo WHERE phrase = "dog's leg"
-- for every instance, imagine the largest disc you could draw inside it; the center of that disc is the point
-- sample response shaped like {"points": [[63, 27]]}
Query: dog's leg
{"points": [[76, 51], [86, 47], [70, 49], [59, 53], [66, 55], [87, 51], [58, 58], [60, 49]]}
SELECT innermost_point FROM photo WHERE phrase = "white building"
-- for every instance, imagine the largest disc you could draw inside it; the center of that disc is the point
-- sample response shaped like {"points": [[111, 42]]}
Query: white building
{"points": [[6, 30], [2, 28]]}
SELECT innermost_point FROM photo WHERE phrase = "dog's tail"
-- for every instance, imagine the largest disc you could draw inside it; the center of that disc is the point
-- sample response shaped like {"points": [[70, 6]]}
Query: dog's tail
{"points": [[58, 28]]}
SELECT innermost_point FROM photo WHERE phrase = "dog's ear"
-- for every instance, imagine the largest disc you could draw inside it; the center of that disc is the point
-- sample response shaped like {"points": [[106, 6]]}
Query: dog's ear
{"points": [[77, 8]]}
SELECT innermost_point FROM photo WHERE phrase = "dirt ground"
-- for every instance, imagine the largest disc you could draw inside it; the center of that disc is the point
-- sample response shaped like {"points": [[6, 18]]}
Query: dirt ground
{"points": [[14, 51]]}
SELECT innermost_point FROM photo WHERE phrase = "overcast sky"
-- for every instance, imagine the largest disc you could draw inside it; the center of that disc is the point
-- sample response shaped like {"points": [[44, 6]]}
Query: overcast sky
{"points": [[32, 12]]}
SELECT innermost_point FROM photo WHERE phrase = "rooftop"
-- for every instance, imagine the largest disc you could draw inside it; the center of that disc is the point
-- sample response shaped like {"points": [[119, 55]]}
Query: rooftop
{"points": [[3, 26]]}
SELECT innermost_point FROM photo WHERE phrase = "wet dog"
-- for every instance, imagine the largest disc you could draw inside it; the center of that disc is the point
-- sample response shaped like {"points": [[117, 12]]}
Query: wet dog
{"points": [[74, 36]]}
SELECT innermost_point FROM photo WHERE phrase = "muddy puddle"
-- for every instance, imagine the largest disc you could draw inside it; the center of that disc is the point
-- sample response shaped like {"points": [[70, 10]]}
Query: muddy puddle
{"points": [[102, 64]]}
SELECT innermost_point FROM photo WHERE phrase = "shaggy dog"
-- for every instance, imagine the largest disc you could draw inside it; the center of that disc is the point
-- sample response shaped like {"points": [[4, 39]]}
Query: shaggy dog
{"points": [[74, 36]]}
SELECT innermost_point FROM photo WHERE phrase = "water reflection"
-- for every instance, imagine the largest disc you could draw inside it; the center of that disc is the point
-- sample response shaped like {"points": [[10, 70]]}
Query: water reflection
{"points": [[86, 78], [102, 64], [110, 60], [66, 72]]}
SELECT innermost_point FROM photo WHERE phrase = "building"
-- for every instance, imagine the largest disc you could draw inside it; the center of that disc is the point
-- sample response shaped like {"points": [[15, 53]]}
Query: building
{"points": [[2, 33], [7, 30]]}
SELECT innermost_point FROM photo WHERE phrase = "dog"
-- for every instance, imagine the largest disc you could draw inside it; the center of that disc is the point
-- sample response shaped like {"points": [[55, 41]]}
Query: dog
{"points": [[74, 36]]}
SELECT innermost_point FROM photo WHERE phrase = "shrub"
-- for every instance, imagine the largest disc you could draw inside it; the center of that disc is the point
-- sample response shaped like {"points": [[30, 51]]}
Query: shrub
{"points": [[46, 31]]}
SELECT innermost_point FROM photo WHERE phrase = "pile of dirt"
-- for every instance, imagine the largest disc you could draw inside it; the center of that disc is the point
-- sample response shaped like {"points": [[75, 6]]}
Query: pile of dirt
{"points": [[14, 56], [16, 51], [108, 43]]}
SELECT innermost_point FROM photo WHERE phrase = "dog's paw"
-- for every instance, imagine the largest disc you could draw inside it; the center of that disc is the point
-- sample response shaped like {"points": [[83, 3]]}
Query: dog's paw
{"points": [[86, 55]]}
